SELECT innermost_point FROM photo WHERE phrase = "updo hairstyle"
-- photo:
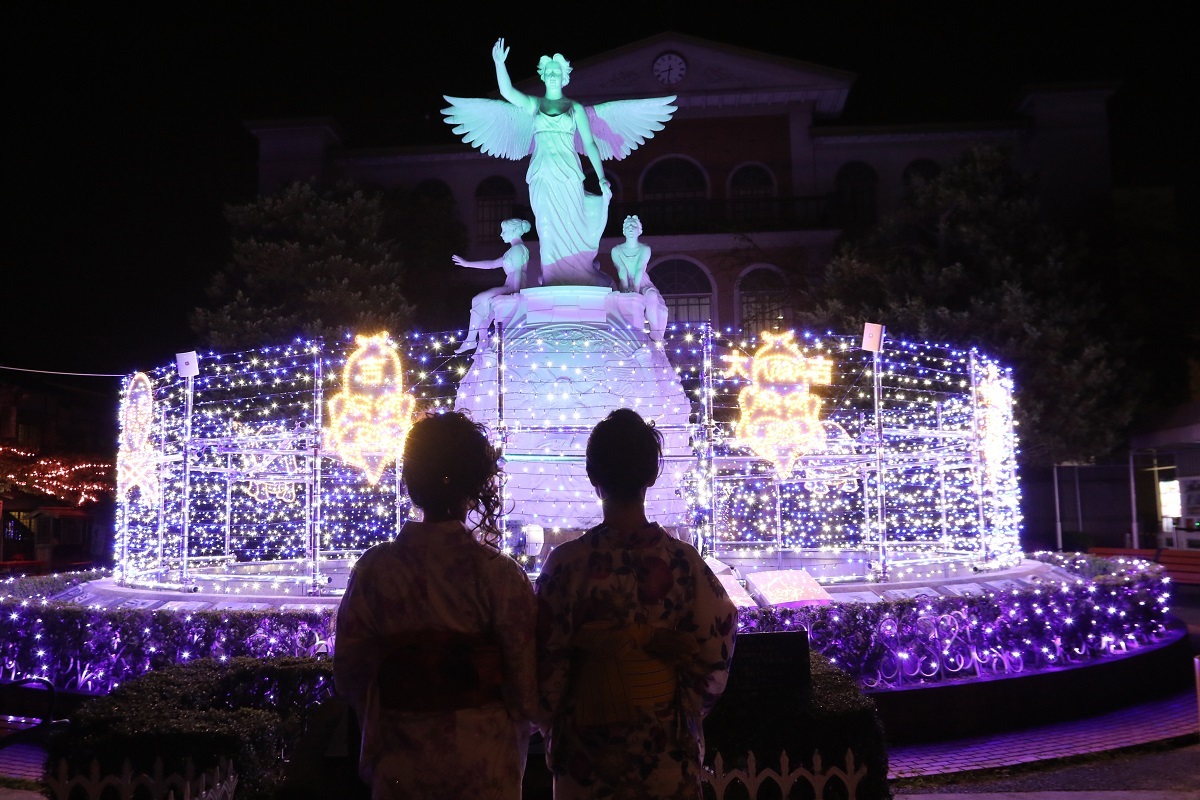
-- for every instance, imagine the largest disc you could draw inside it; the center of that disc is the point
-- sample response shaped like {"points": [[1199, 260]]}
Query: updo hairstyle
{"points": [[521, 225], [448, 459]]}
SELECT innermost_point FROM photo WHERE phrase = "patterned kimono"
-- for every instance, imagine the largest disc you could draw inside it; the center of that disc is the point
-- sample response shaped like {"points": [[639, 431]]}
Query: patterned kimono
{"points": [[635, 637], [435, 653]]}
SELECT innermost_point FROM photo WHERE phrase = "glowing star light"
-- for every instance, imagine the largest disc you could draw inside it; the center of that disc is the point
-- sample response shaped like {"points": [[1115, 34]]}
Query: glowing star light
{"points": [[369, 418], [136, 462], [780, 416]]}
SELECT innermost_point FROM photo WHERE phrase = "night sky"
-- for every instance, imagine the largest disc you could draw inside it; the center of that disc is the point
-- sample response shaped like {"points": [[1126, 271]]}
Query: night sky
{"points": [[125, 130]]}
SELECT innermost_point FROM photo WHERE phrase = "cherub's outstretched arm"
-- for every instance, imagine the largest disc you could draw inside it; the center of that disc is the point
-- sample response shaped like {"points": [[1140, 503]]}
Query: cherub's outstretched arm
{"points": [[491, 263]]}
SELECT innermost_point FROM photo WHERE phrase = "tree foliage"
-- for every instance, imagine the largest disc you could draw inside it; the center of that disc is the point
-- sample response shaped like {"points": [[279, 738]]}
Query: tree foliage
{"points": [[306, 263], [425, 223], [967, 260]]}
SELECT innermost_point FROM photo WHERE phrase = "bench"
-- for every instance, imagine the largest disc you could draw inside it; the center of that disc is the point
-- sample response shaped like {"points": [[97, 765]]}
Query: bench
{"points": [[1181, 566], [28, 708]]}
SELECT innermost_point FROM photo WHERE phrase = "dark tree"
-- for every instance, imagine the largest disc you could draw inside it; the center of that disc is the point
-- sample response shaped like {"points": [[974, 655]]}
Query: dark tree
{"points": [[967, 260], [425, 223], [306, 262]]}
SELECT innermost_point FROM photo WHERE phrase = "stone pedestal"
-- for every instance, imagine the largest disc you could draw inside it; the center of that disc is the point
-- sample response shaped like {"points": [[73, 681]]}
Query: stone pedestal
{"points": [[570, 355]]}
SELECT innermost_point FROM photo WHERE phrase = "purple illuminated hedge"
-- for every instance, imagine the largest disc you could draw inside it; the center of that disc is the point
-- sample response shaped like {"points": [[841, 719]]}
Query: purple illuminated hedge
{"points": [[1112, 607]]}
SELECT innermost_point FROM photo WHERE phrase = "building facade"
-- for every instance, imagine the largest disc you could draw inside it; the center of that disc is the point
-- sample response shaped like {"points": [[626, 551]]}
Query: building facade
{"points": [[750, 185]]}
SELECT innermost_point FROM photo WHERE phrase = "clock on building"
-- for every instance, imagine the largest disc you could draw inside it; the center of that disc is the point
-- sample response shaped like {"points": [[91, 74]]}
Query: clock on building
{"points": [[669, 68]]}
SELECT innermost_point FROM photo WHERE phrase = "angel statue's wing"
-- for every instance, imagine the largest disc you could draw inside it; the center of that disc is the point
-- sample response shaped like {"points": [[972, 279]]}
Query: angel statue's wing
{"points": [[497, 127], [621, 126]]}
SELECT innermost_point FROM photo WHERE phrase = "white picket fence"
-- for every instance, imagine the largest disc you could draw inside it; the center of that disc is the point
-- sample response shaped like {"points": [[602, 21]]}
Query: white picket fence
{"points": [[212, 786], [189, 786], [785, 778]]}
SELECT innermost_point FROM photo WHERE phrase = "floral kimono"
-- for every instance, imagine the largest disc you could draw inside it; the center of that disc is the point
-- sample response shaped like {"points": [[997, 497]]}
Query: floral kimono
{"points": [[635, 637], [434, 651]]}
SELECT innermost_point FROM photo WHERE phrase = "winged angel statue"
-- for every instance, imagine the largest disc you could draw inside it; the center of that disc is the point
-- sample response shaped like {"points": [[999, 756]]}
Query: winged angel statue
{"points": [[554, 130]]}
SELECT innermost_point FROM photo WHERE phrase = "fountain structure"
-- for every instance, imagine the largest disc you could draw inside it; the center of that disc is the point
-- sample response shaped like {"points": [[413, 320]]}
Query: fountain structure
{"points": [[813, 469]]}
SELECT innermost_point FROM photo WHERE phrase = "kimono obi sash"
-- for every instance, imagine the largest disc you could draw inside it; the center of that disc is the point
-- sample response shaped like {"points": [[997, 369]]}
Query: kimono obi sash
{"points": [[428, 671], [613, 675]]}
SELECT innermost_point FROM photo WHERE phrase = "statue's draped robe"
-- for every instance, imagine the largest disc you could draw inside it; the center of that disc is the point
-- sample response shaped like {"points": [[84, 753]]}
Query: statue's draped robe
{"points": [[569, 221]]}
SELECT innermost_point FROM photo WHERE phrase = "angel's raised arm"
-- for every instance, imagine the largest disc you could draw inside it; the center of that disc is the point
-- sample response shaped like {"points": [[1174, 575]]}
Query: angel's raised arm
{"points": [[507, 91]]}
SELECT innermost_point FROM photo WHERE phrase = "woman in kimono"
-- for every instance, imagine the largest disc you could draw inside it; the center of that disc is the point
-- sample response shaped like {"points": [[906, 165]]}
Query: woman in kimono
{"points": [[635, 637], [434, 648]]}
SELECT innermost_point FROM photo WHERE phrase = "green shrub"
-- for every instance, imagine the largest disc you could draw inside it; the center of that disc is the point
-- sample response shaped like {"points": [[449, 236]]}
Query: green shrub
{"points": [[829, 717], [247, 710], [37, 587]]}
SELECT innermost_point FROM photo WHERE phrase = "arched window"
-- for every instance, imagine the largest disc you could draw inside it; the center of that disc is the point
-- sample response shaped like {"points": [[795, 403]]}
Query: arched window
{"points": [[686, 289], [857, 186], [675, 197], [920, 172], [752, 196], [762, 301], [495, 199]]}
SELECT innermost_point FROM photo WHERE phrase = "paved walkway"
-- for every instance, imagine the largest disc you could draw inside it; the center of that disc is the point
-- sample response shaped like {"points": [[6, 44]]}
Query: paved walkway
{"points": [[22, 761], [1161, 720]]}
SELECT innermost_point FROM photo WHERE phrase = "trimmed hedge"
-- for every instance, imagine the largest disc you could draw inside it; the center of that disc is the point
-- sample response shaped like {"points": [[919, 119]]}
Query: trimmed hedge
{"points": [[829, 717], [248, 710], [38, 587]]}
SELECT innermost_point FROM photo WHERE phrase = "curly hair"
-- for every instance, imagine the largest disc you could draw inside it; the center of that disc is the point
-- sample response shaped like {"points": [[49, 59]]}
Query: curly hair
{"points": [[624, 455], [449, 459], [562, 62]]}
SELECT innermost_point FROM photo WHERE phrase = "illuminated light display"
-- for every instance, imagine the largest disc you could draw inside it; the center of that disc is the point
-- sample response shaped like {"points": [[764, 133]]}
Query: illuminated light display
{"points": [[370, 417], [77, 482], [780, 416], [786, 588], [263, 485], [920, 490], [737, 593], [136, 463], [1064, 616], [566, 357], [255, 461]]}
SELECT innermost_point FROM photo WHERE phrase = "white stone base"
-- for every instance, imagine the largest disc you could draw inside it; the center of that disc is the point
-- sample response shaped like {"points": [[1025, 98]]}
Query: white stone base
{"points": [[572, 354]]}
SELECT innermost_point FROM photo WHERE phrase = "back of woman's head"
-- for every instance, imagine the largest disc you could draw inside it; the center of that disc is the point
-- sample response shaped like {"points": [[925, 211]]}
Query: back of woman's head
{"points": [[624, 455], [448, 460]]}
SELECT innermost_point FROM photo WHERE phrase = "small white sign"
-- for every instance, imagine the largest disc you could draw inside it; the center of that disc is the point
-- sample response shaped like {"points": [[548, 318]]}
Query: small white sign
{"points": [[872, 337], [188, 364]]}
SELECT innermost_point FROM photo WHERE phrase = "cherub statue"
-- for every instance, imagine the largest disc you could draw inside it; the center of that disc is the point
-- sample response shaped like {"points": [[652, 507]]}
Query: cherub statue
{"points": [[513, 262], [631, 258], [555, 130]]}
